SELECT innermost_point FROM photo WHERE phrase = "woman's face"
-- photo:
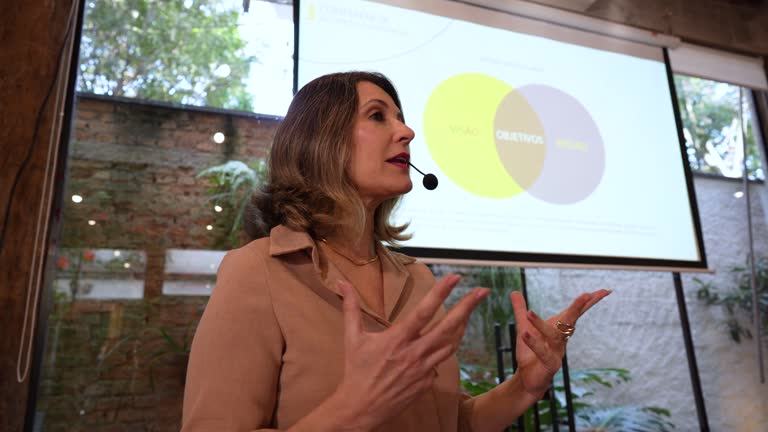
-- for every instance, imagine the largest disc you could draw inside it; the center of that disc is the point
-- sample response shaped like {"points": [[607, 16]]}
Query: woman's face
{"points": [[380, 154]]}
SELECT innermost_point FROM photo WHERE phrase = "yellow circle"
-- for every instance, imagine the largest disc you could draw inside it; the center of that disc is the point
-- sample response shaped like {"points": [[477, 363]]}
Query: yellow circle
{"points": [[460, 134]]}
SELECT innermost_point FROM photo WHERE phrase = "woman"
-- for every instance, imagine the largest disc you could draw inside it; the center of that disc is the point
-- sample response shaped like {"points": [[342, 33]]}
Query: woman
{"points": [[316, 326]]}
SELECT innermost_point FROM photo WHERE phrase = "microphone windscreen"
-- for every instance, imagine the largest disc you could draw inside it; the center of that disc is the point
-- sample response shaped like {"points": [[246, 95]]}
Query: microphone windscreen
{"points": [[430, 181]]}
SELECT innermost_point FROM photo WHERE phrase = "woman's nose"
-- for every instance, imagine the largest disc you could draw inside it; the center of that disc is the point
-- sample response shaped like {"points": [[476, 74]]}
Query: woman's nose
{"points": [[406, 134]]}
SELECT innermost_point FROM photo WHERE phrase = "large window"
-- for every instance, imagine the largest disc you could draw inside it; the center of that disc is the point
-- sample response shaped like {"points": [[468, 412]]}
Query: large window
{"points": [[712, 127], [178, 103], [168, 135], [191, 52]]}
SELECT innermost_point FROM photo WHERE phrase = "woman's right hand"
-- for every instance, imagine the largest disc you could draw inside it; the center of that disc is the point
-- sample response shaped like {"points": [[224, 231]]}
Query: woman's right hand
{"points": [[384, 371]]}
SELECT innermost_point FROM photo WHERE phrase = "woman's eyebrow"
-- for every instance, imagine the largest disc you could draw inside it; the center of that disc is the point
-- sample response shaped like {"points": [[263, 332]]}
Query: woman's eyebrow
{"points": [[386, 105], [373, 101]]}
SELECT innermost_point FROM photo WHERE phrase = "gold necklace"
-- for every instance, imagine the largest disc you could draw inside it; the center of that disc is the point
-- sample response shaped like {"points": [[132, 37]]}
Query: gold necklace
{"points": [[354, 261]]}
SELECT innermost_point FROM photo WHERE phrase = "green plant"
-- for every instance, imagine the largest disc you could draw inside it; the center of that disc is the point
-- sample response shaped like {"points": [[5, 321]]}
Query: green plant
{"points": [[623, 419], [497, 307], [232, 184], [100, 343], [476, 379], [737, 301], [169, 348], [584, 382]]}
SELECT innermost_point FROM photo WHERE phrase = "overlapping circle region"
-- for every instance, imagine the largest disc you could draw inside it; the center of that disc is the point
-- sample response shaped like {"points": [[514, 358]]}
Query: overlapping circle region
{"points": [[496, 141]]}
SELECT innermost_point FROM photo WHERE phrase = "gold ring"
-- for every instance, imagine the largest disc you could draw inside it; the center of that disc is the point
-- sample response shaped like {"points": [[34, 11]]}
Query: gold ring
{"points": [[566, 329]]}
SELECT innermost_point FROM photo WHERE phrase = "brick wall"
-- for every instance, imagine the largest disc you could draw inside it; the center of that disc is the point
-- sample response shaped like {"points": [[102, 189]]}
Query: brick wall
{"points": [[135, 166], [119, 365]]}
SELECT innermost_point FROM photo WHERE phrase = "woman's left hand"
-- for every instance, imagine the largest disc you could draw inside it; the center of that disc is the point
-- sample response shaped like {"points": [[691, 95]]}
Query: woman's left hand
{"points": [[540, 345]]}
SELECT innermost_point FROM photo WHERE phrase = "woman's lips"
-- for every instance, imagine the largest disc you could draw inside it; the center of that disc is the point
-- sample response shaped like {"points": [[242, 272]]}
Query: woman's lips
{"points": [[399, 164], [400, 161]]}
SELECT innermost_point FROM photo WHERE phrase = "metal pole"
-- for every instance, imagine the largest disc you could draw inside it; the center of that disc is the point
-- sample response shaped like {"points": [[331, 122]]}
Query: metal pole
{"points": [[536, 419], [513, 349], [568, 395], [499, 353], [523, 285], [752, 280], [553, 409], [511, 328], [566, 377], [693, 369]]}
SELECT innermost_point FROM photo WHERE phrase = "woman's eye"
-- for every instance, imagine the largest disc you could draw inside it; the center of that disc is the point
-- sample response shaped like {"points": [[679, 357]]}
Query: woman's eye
{"points": [[378, 116]]}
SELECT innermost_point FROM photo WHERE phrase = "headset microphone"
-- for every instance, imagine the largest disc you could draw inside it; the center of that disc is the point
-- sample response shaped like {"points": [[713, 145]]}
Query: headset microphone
{"points": [[430, 181]]}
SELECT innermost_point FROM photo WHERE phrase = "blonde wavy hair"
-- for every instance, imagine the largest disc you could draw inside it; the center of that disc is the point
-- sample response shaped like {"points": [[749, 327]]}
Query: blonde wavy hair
{"points": [[309, 187]]}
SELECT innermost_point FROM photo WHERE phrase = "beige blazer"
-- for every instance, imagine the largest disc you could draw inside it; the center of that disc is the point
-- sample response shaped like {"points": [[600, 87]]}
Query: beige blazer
{"points": [[269, 347]]}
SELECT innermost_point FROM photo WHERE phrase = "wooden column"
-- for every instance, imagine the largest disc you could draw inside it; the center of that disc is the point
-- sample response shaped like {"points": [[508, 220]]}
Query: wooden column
{"points": [[32, 40]]}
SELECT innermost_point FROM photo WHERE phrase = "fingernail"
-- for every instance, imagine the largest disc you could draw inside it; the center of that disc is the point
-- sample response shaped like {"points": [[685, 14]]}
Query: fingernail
{"points": [[481, 292]]}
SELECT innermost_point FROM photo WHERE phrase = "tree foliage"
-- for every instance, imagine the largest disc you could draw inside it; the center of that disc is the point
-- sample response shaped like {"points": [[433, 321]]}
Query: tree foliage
{"points": [[710, 116], [179, 51]]}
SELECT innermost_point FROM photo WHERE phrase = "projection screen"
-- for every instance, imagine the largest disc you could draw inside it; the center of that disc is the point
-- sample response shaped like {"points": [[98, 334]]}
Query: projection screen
{"points": [[553, 146]]}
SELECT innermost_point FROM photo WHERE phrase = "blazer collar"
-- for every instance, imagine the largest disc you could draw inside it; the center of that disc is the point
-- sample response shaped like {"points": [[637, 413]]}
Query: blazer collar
{"points": [[285, 241]]}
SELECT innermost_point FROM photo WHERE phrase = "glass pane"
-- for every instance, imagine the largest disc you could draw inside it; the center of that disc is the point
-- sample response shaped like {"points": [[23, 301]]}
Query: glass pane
{"points": [[627, 360], [711, 127], [191, 52], [628, 364], [152, 199]]}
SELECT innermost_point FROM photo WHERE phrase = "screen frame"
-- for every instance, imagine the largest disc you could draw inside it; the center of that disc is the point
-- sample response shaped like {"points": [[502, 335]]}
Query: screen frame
{"points": [[529, 259]]}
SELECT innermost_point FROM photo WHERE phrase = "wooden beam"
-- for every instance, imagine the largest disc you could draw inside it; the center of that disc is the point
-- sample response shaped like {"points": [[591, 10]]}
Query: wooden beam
{"points": [[33, 35]]}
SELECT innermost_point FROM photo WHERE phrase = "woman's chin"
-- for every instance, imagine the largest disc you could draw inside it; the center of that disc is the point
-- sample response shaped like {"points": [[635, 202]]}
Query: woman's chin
{"points": [[385, 193], [406, 188], [400, 188]]}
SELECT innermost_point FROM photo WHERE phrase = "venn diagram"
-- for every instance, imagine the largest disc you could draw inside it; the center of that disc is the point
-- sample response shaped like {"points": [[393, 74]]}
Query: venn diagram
{"points": [[496, 141]]}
